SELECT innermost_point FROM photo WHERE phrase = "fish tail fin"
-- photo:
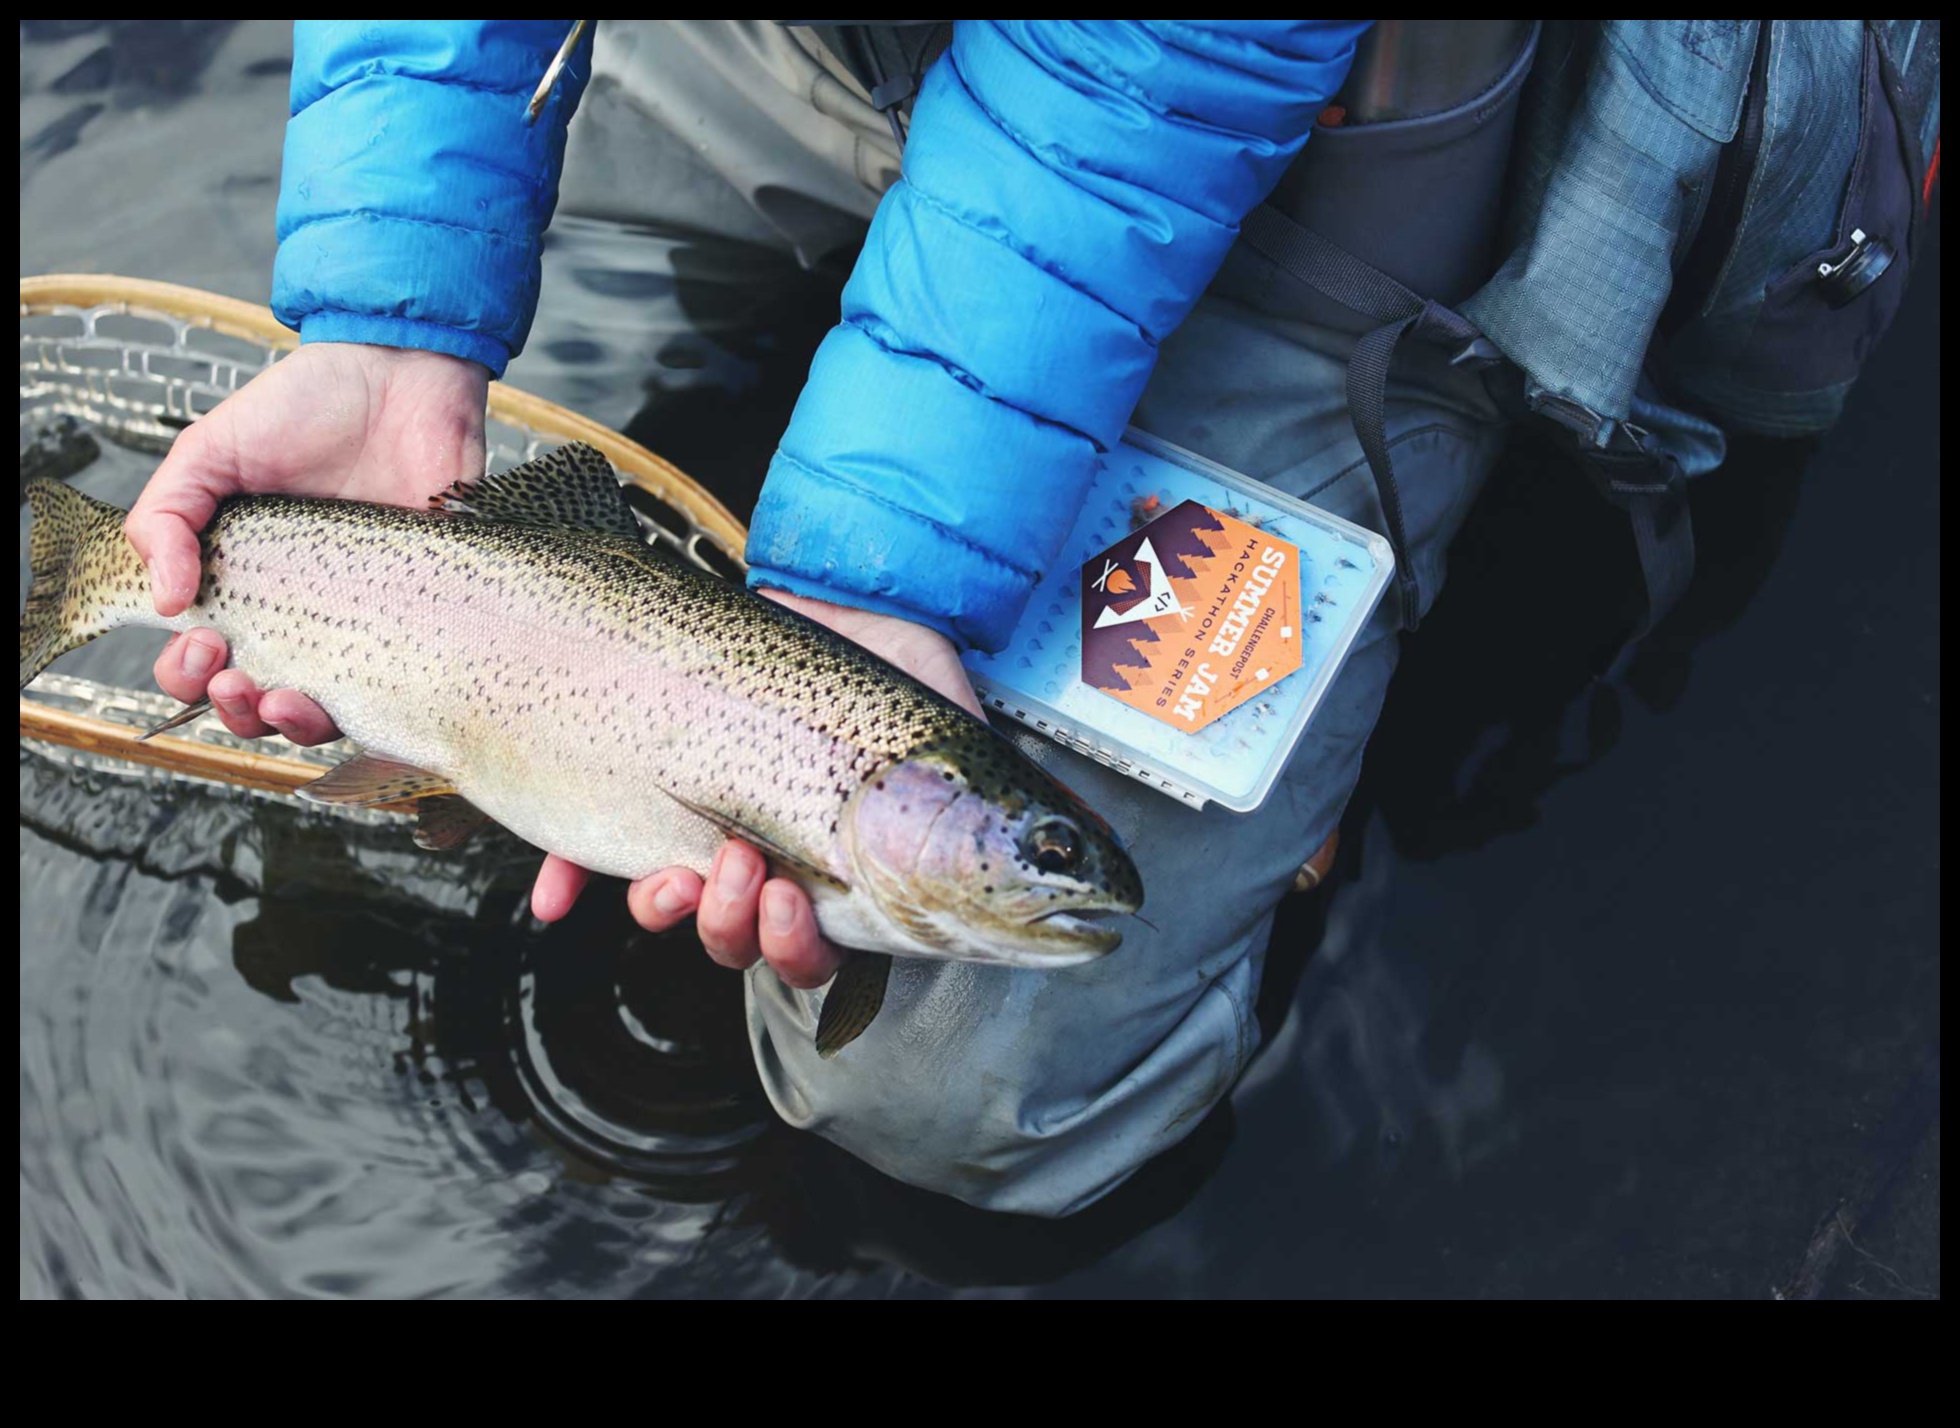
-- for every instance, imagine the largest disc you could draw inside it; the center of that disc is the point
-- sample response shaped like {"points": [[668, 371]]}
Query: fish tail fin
{"points": [[88, 579]]}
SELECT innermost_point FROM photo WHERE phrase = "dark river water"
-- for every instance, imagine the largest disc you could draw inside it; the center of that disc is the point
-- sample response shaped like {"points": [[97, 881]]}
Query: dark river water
{"points": [[1618, 989]]}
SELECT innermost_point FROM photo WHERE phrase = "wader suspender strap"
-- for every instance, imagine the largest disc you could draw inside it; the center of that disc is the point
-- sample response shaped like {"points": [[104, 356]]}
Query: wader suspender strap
{"points": [[1646, 483], [1330, 269], [1625, 467]]}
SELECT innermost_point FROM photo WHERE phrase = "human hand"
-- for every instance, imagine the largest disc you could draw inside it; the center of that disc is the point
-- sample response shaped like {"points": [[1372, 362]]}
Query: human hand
{"points": [[339, 420], [742, 913]]}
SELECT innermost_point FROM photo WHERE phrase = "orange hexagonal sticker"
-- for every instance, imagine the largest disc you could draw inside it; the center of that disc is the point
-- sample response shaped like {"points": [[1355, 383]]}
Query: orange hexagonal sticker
{"points": [[1191, 616]]}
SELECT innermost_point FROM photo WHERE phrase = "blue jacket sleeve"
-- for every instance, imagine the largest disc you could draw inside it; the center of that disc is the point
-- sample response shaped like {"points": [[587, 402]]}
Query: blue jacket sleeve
{"points": [[1069, 190], [414, 197]]}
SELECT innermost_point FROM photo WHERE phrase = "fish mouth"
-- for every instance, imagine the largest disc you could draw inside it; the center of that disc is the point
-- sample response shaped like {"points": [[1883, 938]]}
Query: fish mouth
{"points": [[1080, 930]]}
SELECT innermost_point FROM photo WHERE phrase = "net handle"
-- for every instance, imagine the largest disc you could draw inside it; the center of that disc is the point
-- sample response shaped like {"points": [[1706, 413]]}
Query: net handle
{"points": [[242, 768]]}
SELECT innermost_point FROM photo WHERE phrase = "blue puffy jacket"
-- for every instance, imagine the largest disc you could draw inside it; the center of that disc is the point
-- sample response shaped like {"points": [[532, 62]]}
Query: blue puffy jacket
{"points": [[1069, 190]]}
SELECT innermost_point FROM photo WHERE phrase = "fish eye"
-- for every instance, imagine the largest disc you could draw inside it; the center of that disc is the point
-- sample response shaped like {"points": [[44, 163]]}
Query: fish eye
{"points": [[1054, 846]]}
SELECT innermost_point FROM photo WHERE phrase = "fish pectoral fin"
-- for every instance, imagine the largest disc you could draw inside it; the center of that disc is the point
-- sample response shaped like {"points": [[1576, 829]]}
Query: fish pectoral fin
{"points": [[447, 820], [572, 488], [178, 720], [368, 779], [789, 862], [856, 993]]}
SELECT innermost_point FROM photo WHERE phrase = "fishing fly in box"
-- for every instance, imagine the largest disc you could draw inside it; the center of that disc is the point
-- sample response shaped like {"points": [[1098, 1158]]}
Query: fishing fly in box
{"points": [[1190, 627]]}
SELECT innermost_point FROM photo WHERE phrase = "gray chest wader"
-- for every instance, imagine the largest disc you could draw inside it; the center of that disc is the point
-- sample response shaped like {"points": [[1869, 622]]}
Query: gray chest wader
{"points": [[1421, 164]]}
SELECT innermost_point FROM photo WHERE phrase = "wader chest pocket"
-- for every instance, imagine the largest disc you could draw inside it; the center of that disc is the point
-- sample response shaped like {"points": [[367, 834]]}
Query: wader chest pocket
{"points": [[1821, 318]]}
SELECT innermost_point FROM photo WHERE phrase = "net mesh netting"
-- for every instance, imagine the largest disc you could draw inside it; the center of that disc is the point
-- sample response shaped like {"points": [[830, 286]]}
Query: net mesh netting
{"points": [[139, 376], [136, 375]]}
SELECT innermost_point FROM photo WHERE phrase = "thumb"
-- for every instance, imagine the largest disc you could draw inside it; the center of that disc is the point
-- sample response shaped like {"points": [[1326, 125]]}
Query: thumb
{"points": [[168, 544], [177, 503]]}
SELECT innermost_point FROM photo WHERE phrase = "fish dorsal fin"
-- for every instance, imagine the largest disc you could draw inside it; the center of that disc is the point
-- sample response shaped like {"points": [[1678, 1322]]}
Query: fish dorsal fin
{"points": [[572, 488], [368, 779], [769, 849], [853, 1001], [447, 820]]}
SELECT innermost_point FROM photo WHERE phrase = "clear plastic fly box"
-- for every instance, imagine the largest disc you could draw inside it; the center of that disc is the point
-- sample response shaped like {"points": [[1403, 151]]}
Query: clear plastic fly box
{"points": [[1191, 626]]}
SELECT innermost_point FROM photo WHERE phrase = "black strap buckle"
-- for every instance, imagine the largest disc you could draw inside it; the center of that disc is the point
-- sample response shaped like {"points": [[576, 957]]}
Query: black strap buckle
{"points": [[1631, 471], [1619, 457], [893, 92]]}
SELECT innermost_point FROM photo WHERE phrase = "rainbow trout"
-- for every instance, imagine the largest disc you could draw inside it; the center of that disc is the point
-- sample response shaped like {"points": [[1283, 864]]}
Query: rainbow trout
{"points": [[518, 654]]}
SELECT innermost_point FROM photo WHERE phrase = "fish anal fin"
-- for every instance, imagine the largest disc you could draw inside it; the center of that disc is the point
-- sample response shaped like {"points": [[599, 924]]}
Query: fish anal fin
{"points": [[789, 862], [852, 1003], [447, 820], [368, 779], [572, 488], [178, 720]]}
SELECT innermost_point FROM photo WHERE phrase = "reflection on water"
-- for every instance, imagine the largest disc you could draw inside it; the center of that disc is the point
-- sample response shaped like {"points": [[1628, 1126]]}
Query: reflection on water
{"points": [[225, 1094], [1612, 992]]}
